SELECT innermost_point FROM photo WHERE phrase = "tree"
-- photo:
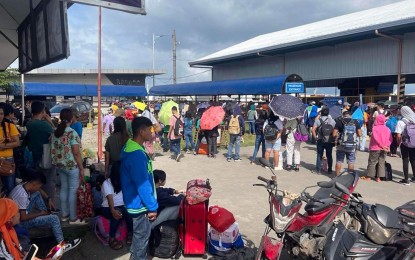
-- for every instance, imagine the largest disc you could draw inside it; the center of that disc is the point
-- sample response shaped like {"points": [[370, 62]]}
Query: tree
{"points": [[8, 79]]}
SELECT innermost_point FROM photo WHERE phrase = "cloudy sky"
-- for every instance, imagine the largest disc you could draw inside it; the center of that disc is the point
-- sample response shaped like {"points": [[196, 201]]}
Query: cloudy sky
{"points": [[202, 27]]}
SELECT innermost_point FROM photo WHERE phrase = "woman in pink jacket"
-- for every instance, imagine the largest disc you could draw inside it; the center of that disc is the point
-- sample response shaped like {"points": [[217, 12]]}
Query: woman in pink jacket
{"points": [[378, 148]]}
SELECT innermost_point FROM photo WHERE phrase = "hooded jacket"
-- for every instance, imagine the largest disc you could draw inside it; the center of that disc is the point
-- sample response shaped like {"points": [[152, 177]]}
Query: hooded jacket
{"points": [[137, 181], [381, 135]]}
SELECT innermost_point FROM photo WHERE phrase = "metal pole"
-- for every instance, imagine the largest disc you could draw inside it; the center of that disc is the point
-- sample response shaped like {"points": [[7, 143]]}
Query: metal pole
{"points": [[154, 65], [99, 88], [174, 56], [23, 102]]}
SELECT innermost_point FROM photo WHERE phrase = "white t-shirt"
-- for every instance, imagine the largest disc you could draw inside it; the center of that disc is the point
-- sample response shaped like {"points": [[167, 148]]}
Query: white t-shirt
{"points": [[106, 190], [20, 196], [400, 126]]}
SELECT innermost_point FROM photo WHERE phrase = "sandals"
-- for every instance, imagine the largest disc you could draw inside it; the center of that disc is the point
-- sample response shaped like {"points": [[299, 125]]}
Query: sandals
{"points": [[129, 240], [115, 244], [288, 168], [366, 178]]}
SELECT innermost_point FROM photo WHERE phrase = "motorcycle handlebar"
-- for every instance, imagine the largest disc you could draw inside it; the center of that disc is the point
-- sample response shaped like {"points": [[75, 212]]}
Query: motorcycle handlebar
{"points": [[263, 179], [309, 197]]}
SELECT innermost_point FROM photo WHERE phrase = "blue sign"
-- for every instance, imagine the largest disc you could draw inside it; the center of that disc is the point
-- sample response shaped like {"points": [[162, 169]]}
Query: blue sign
{"points": [[332, 101], [294, 87]]}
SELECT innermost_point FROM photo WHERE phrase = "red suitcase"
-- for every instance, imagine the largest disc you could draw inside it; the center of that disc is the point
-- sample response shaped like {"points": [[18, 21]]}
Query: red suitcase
{"points": [[193, 228]]}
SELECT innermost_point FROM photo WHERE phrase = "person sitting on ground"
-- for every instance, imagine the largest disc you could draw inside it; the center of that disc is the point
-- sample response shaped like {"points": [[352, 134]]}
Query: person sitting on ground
{"points": [[113, 207], [76, 125], [378, 147], [30, 199], [114, 144], [9, 244], [97, 194], [168, 203]]}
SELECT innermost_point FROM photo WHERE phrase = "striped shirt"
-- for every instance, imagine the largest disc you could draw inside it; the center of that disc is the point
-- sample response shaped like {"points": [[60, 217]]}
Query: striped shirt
{"points": [[20, 196]]}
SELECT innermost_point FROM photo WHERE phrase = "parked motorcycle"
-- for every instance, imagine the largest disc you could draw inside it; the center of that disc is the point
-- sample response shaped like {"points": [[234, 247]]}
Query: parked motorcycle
{"points": [[302, 235], [383, 233]]}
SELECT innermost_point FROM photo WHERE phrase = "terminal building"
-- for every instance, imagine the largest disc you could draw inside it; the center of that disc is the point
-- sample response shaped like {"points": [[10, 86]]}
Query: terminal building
{"points": [[366, 52]]}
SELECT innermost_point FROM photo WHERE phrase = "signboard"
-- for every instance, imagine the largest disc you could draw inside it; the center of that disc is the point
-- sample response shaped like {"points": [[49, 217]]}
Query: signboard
{"points": [[294, 87], [130, 6], [332, 101], [385, 88]]}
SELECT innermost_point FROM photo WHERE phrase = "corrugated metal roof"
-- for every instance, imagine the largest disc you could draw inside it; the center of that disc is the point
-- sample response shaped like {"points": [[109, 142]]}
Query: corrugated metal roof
{"points": [[387, 16]]}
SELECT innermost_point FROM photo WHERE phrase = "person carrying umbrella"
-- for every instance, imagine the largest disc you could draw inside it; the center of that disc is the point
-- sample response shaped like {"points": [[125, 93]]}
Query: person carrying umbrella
{"points": [[273, 144], [236, 128]]}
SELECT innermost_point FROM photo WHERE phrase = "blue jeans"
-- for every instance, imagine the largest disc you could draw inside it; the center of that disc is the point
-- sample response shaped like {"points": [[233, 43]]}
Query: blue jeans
{"points": [[189, 140], [165, 142], [106, 212], [259, 140], [234, 140], [69, 186], [362, 140], [36, 202], [175, 146], [252, 127], [141, 234], [9, 182]]}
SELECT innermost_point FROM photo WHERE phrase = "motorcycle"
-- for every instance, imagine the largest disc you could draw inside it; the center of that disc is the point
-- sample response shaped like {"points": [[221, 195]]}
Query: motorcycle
{"points": [[383, 233], [302, 235]]}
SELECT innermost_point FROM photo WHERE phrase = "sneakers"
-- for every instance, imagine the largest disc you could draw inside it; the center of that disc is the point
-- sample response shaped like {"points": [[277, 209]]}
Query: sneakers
{"points": [[315, 171], [77, 222], [188, 152], [238, 160], [69, 245], [405, 182], [64, 219], [229, 160], [179, 156]]}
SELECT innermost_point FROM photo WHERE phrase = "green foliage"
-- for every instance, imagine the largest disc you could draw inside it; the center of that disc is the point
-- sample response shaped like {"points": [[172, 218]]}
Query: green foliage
{"points": [[7, 80]]}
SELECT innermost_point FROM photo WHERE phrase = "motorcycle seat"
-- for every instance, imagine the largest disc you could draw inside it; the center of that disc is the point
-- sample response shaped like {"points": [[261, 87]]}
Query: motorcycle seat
{"points": [[323, 194]]}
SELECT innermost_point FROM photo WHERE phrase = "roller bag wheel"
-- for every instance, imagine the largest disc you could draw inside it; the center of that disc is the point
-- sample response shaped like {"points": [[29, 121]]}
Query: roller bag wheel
{"points": [[193, 228], [164, 240]]}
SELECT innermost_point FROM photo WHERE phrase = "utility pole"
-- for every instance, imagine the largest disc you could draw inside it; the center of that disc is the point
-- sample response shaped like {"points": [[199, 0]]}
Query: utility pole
{"points": [[174, 56]]}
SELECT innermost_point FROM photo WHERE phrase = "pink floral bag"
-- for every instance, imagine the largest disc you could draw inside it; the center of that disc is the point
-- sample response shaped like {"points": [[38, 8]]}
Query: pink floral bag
{"points": [[198, 191]]}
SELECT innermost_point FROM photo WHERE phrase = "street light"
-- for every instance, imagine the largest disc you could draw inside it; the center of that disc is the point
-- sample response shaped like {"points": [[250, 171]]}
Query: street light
{"points": [[154, 53]]}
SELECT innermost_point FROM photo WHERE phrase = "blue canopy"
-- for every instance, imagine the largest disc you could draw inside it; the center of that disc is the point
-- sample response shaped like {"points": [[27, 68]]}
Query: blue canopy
{"points": [[76, 89], [250, 86]]}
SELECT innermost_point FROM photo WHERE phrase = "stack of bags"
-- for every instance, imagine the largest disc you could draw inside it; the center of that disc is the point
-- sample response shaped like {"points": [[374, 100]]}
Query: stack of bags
{"points": [[223, 232]]}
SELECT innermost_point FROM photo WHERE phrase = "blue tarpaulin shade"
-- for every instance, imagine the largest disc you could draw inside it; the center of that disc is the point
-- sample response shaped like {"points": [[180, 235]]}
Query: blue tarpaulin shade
{"points": [[250, 86], [64, 89]]}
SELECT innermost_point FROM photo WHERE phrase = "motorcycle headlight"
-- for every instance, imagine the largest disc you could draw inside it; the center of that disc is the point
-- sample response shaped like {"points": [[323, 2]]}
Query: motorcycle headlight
{"points": [[281, 223]]}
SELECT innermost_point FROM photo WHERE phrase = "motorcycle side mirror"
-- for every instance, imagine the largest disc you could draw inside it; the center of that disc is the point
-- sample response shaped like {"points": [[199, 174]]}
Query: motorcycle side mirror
{"points": [[342, 188], [264, 162], [325, 184]]}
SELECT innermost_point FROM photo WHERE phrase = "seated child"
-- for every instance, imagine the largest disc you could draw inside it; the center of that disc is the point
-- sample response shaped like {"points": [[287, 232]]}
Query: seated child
{"points": [[168, 203], [29, 197], [113, 206]]}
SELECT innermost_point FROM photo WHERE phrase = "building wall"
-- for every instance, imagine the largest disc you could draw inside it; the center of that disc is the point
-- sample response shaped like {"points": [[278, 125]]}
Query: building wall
{"points": [[67, 78], [373, 57]]}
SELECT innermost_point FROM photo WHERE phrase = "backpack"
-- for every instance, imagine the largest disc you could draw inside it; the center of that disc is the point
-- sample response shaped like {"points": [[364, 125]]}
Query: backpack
{"points": [[408, 135], [270, 132], [348, 136], [301, 133], [102, 230], [164, 240], [234, 127], [224, 241], [391, 123], [178, 126], [326, 131]]}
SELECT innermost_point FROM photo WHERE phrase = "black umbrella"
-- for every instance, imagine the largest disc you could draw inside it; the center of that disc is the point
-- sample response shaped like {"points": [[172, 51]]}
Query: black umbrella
{"points": [[233, 108], [335, 111], [287, 106]]}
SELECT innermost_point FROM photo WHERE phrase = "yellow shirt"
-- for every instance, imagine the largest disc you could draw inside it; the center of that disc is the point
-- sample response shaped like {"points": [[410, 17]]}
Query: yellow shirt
{"points": [[11, 131], [114, 108]]}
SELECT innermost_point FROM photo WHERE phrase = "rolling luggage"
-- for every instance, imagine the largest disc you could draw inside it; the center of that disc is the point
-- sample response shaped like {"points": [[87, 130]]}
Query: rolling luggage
{"points": [[193, 227]]}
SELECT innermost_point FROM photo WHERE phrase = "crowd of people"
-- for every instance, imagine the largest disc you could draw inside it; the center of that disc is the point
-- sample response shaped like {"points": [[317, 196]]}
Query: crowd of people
{"points": [[132, 191]]}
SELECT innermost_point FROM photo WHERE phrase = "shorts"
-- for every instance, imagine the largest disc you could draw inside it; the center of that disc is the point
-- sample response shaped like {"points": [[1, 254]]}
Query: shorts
{"points": [[273, 145], [341, 153]]}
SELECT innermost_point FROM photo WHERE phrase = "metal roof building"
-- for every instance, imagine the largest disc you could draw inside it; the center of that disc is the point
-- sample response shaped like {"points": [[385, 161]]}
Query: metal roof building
{"points": [[350, 51]]}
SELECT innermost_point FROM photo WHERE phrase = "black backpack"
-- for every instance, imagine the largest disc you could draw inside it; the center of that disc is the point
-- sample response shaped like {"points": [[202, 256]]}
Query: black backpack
{"points": [[326, 131], [270, 132], [178, 126], [164, 240]]}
